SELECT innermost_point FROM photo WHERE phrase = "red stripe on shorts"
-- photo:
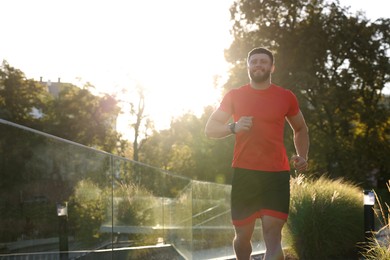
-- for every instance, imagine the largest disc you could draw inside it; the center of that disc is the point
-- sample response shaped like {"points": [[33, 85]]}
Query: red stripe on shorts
{"points": [[259, 214]]}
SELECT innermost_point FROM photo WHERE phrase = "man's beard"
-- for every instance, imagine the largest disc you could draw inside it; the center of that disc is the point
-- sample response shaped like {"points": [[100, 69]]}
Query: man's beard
{"points": [[260, 78]]}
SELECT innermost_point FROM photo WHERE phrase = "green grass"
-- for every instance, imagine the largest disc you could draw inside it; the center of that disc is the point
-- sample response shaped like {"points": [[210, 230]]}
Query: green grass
{"points": [[326, 218]]}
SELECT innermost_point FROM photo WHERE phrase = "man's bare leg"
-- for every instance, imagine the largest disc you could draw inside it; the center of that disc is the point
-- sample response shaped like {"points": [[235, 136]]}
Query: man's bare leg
{"points": [[242, 241], [272, 233]]}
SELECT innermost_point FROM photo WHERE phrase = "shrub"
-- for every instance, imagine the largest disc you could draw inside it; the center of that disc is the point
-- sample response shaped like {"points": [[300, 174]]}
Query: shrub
{"points": [[87, 211], [326, 218], [136, 206]]}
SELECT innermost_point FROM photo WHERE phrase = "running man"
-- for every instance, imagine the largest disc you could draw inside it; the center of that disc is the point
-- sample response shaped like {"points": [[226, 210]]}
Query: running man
{"points": [[261, 178]]}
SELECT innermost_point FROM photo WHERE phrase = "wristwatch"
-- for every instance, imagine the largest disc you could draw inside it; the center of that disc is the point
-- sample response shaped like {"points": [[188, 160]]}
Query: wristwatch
{"points": [[232, 127]]}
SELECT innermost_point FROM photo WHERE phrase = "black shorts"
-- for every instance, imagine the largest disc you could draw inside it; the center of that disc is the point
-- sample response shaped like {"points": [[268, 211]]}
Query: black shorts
{"points": [[257, 193]]}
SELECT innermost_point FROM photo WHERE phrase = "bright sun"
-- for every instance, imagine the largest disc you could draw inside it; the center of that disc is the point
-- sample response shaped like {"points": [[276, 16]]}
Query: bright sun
{"points": [[177, 57]]}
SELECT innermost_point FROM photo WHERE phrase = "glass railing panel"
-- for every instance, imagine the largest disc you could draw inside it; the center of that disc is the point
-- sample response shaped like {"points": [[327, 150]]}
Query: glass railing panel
{"points": [[137, 212], [212, 229], [178, 212], [40, 172], [151, 206], [213, 232]]}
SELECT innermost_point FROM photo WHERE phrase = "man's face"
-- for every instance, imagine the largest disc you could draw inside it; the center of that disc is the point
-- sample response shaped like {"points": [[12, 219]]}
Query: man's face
{"points": [[260, 67]]}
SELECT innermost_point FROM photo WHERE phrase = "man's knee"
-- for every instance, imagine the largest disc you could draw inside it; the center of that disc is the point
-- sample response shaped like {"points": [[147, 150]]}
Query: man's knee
{"points": [[244, 233], [272, 225]]}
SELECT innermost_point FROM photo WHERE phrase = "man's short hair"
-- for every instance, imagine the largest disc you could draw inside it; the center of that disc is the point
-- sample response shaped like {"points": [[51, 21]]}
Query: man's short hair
{"points": [[261, 50]]}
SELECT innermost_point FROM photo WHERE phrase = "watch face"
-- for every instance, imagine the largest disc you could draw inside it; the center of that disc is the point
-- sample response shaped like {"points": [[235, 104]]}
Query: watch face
{"points": [[232, 127]]}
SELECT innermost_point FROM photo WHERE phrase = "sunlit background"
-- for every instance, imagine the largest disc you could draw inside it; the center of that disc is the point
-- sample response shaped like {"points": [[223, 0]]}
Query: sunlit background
{"points": [[173, 49]]}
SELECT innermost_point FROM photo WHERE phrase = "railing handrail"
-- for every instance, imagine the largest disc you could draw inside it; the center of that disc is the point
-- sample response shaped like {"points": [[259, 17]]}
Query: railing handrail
{"points": [[29, 129]]}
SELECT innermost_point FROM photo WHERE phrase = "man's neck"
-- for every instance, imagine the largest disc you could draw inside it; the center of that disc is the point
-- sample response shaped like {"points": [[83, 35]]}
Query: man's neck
{"points": [[260, 85]]}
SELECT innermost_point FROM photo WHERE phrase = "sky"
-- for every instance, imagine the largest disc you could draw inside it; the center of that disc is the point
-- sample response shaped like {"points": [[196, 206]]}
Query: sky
{"points": [[373, 9], [173, 49]]}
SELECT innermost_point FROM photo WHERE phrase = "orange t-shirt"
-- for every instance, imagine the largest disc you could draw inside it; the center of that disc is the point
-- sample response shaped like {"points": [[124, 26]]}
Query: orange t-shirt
{"points": [[262, 148]]}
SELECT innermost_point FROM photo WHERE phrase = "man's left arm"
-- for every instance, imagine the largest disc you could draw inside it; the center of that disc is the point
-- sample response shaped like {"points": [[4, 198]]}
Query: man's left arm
{"points": [[301, 141]]}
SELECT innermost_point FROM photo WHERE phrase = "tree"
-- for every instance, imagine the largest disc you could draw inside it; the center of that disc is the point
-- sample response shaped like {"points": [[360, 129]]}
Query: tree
{"points": [[139, 122], [140, 118], [337, 64], [184, 149], [19, 97], [75, 114], [88, 119]]}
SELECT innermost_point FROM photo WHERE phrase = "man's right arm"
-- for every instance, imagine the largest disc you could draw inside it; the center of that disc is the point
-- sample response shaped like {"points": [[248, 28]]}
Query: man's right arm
{"points": [[217, 126]]}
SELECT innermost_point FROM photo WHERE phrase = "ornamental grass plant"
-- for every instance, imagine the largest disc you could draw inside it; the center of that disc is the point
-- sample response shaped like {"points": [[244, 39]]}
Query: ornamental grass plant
{"points": [[378, 245], [325, 220]]}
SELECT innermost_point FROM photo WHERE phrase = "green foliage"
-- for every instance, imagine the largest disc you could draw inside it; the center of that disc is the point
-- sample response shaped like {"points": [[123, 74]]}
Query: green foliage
{"points": [[13, 155], [19, 96], [87, 210], [326, 218], [75, 114], [377, 250], [185, 150], [136, 206], [88, 119]]}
